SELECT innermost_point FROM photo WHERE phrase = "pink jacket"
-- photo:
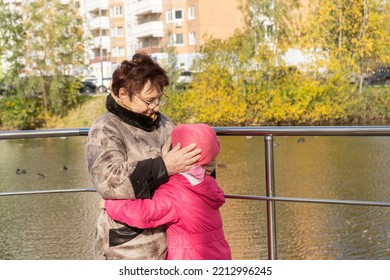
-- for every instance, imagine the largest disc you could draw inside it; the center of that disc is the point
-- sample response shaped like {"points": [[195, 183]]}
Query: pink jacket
{"points": [[190, 213]]}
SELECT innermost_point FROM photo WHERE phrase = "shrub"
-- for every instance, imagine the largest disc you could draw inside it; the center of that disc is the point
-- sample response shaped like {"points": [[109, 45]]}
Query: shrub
{"points": [[21, 113]]}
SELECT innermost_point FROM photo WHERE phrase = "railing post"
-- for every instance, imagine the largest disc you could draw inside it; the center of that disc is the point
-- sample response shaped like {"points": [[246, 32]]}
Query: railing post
{"points": [[270, 192]]}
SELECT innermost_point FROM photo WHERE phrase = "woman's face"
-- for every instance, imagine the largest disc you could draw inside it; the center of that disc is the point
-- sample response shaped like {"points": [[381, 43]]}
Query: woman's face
{"points": [[145, 102]]}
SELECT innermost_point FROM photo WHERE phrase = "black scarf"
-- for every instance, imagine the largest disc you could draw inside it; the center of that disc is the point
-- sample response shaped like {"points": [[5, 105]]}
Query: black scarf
{"points": [[138, 120]]}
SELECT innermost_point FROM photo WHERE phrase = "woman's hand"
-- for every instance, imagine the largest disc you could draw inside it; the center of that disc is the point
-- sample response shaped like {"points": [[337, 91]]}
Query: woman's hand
{"points": [[101, 203], [180, 159], [167, 146]]}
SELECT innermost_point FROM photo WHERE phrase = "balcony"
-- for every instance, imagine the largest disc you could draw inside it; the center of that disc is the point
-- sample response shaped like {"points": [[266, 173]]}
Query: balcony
{"points": [[149, 29], [92, 6], [99, 60], [147, 7], [150, 50], [99, 23], [104, 41]]}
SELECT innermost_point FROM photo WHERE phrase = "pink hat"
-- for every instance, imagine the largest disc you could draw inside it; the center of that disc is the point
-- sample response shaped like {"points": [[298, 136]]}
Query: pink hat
{"points": [[201, 134]]}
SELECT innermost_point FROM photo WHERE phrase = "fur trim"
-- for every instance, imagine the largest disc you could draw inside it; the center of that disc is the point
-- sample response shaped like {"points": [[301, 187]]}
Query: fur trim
{"points": [[138, 120]]}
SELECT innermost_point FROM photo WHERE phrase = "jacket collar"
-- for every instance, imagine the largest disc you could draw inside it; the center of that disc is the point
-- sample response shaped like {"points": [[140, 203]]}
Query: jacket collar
{"points": [[135, 119]]}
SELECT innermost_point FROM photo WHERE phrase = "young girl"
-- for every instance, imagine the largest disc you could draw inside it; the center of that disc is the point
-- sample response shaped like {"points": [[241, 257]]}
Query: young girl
{"points": [[188, 204]]}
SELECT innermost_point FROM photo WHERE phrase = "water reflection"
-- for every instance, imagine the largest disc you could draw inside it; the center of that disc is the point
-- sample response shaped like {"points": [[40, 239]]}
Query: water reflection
{"points": [[61, 226], [335, 168]]}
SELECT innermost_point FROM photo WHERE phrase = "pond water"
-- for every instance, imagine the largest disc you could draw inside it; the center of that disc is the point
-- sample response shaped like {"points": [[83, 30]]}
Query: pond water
{"points": [[61, 226]]}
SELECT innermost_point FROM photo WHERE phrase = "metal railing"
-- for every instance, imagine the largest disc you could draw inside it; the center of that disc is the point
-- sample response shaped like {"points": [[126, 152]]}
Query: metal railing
{"points": [[268, 133]]}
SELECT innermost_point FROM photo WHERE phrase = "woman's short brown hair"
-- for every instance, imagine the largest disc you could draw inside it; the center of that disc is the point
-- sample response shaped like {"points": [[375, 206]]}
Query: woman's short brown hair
{"points": [[135, 73]]}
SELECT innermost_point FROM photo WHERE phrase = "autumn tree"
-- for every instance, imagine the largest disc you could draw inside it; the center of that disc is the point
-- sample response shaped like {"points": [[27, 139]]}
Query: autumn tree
{"points": [[354, 33], [170, 63], [245, 79], [53, 51], [11, 41]]}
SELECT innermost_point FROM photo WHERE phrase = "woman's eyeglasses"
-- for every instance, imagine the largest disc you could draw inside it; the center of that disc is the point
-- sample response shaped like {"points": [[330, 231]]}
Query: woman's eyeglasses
{"points": [[153, 104]]}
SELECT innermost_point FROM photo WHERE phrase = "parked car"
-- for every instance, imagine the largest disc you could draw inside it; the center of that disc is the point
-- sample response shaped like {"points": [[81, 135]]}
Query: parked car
{"points": [[185, 77], [381, 76], [88, 87], [101, 86], [105, 85]]}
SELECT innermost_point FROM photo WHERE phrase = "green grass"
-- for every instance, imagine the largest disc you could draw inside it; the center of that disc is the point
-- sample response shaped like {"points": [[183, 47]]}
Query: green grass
{"points": [[89, 109]]}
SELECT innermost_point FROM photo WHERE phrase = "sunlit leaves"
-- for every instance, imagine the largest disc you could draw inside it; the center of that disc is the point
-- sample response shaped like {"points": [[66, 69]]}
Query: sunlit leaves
{"points": [[243, 80]]}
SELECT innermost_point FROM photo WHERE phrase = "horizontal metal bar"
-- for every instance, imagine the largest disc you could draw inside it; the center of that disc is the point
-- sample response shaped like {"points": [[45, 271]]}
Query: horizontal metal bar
{"points": [[46, 192], [228, 131], [311, 200], [305, 131], [43, 133], [233, 196]]}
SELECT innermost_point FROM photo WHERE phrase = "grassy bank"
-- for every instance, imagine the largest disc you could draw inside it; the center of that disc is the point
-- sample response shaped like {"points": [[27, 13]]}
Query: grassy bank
{"points": [[373, 108], [82, 116], [370, 108]]}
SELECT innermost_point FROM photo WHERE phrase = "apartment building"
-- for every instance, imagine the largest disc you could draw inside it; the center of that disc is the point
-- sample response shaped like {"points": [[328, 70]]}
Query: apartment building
{"points": [[145, 27], [116, 29], [105, 37], [153, 25], [187, 23]]}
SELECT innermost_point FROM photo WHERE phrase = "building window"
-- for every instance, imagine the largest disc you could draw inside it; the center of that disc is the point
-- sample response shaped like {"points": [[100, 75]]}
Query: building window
{"points": [[174, 15], [191, 13], [178, 15], [168, 16], [118, 51], [122, 51], [176, 40], [179, 39], [133, 48], [116, 11], [192, 39], [117, 31]]}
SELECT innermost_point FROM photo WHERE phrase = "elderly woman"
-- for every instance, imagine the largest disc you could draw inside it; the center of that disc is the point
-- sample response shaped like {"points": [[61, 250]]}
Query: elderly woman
{"points": [[124, 156]]}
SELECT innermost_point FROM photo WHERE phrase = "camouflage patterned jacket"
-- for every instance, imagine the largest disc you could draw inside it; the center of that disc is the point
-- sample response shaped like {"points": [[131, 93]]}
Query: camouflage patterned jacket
{"points": [[123, 153]]}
